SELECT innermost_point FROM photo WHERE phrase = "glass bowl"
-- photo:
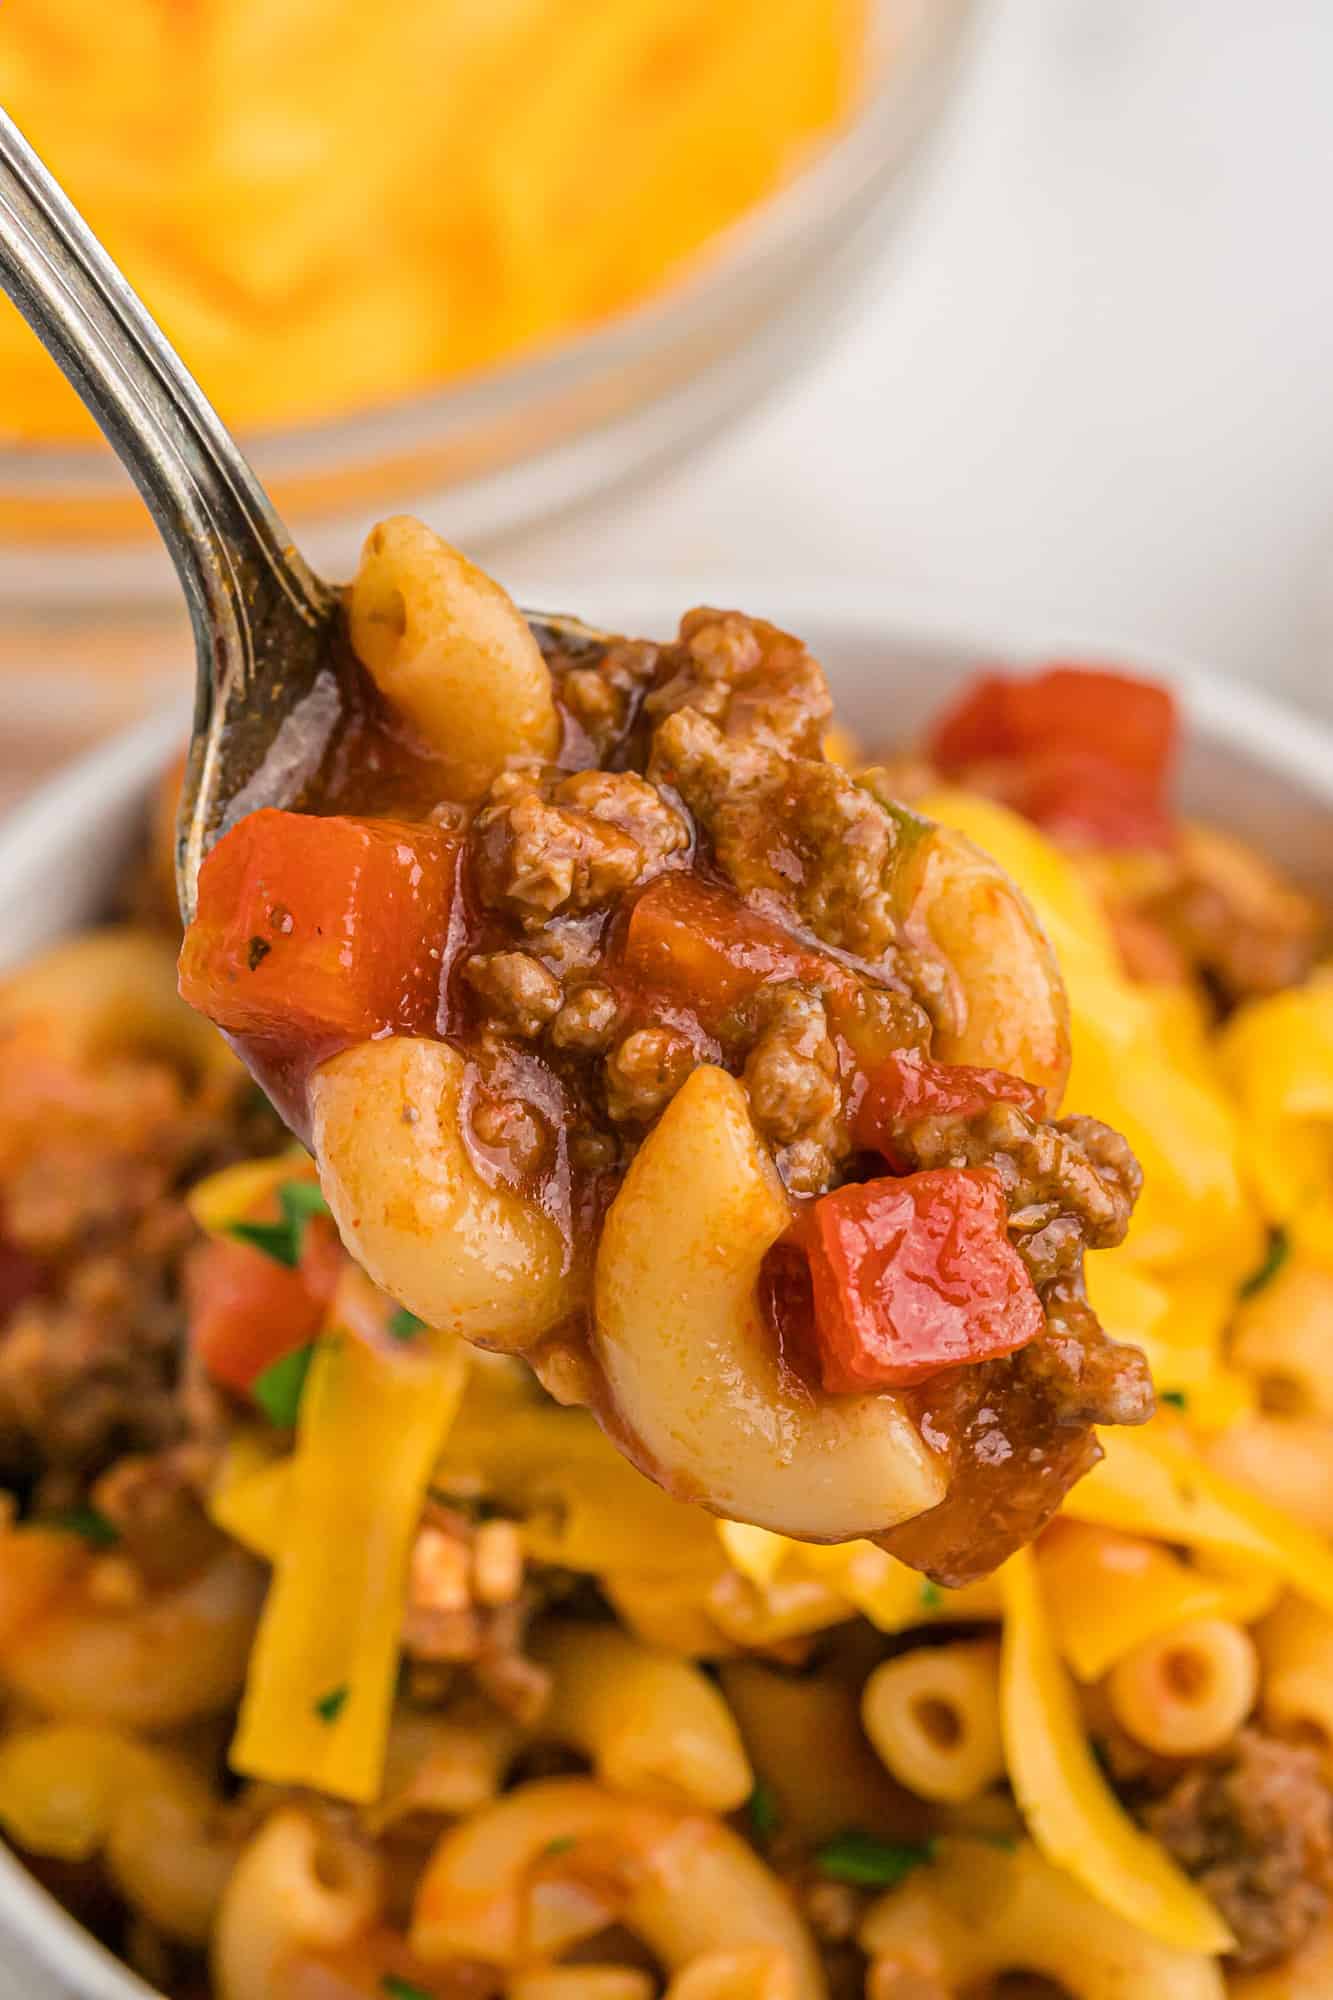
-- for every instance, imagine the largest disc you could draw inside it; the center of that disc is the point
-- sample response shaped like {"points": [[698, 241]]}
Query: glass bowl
{"points": [[497, 449]]}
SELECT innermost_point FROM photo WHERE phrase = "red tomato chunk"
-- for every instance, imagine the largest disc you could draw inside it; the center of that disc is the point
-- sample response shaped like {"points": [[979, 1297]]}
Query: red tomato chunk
{"points": [[246, 1310], [698, 946], [914, 1275], [1081, 751], [906, 1088], [321, 929]]}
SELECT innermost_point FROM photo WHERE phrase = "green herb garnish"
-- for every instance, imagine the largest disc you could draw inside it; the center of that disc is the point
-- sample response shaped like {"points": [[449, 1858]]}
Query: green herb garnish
{"points": [[931, 1596], [1279, 1249], [762, 1807], [870, 1863], [405, 1325], [278, 1390], [395, 1988], [283, 1241], [1177, 1398], [277, 1240], [560, 1846], [330, 1706], [88, 1522]]}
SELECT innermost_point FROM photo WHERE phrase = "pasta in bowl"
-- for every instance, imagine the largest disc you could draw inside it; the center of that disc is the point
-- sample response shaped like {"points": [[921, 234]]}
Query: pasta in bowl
{"points": [[517, 1721], [634, 1035]]}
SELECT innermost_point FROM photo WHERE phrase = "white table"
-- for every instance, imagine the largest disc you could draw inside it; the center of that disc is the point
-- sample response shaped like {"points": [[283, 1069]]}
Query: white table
{"points": [[1096, 378]]}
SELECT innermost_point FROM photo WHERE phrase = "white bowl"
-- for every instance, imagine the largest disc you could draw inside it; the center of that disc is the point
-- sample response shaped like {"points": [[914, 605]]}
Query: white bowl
{"points": [[1249, 764]]}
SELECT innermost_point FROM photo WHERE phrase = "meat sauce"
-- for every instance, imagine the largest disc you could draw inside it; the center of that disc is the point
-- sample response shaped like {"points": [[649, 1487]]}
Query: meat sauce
{"points": [[602, 941]]}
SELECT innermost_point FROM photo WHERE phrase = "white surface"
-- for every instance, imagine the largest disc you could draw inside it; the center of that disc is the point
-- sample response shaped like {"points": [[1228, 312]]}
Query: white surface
{"points": [[1095, 382]]}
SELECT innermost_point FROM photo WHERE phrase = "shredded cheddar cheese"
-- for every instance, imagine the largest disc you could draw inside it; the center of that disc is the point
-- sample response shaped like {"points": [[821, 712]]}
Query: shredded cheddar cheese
{"points": [[320, 1688], [1151, 1483], [1071, 1811]]}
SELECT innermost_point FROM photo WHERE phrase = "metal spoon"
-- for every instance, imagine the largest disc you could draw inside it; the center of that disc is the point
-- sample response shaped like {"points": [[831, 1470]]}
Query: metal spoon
{"points": [[267, 693]]}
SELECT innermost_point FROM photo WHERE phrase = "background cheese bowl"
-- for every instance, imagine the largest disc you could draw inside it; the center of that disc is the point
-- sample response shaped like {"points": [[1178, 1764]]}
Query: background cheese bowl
{"points": [[1258, 769], [519, 439]]}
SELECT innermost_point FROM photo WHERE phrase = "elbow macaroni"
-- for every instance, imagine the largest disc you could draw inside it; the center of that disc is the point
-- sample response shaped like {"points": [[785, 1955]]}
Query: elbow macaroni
{"points": [[650, 1724], [447, 647], [978, 1912], [688, 1360], [512, 1884], [1188, 1691], [472, 1259], [298, 1888], [934, 1716]]}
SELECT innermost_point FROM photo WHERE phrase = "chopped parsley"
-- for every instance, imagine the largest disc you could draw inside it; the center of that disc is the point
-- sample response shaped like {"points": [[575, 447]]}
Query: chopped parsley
{"points": [[931, 1596], [283, 1241], [278, 1389], [1279, 1249], [1176, 1398], [560, 1846], [762, 1808], [870, 1863], [405, 1326], [88, 1522], [395, 1988], [300, 1200], [330, 1706]]}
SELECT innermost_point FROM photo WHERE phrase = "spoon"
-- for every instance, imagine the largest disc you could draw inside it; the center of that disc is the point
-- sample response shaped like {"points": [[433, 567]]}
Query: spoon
{"points": [[267, 695]]}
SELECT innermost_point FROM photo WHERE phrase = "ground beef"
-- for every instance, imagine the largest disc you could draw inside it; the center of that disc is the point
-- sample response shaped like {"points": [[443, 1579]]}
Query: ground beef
{"points": [[757, 684], [1215, 909], [516, 989], [1254, 1827], [795, 832], [1074, 1167], [644, 1072], [588, 1018], [547, 844], [601, 686], [791, 1074], [93, 1199], [1012, 1459], [469, 1604]]}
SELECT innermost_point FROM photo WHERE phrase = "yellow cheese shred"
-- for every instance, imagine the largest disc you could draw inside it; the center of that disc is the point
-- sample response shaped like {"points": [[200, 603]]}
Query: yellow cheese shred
{"points": [[1109, 1593], [233, 1192], [320, 1689], [1151, 1483], [249, 1499], [1071, 1811]]}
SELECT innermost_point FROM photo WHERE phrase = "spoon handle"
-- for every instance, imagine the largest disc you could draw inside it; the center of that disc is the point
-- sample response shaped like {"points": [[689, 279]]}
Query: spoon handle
{"points": [[259, 613], [206, 501]]}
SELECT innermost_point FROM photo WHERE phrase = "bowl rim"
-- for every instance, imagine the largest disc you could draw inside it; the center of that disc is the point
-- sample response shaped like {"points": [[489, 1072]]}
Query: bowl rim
{"points": [[1269, 732], [842, 174]]}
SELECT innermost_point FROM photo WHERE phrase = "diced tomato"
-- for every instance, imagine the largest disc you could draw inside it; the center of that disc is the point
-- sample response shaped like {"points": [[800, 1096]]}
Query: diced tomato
{"points": [[1124, 721], [321, 929], [1083, 800], [975, 727], [1082, 751], [246, 1310], [696, 946], [907, 1087], [914, 1275], [701, 947]]}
